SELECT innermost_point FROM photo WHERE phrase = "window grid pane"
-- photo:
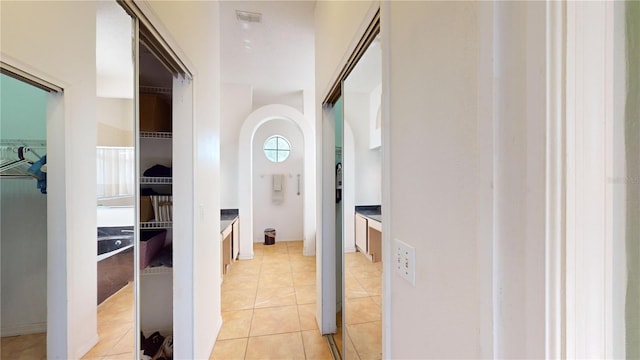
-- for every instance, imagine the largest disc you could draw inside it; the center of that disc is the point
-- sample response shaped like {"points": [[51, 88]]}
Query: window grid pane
{"points": [[276, 148]]}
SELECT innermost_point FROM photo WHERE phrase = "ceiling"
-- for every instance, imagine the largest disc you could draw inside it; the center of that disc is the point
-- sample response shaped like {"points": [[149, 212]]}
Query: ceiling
{"points": [[275, 56]]}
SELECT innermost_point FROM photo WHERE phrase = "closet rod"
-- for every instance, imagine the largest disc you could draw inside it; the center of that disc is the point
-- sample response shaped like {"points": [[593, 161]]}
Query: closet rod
{"points": [[29, 143]]}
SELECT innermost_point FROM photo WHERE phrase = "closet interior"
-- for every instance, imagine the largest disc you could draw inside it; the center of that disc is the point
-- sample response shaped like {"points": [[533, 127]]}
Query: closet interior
{"points": [[155, 204], [23, 217]]}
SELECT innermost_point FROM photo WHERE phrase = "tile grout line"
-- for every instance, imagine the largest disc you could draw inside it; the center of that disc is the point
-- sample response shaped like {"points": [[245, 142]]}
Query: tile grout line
{"points": [[296, 297], [304, 348]]}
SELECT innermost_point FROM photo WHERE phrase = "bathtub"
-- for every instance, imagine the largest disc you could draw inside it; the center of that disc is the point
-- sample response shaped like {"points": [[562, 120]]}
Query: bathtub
{"points": [[115, 230], [113, 240]]}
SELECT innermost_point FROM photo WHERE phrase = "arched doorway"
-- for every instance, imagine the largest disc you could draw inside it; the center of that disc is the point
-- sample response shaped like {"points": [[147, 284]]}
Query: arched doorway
{"points": [[245, 175]]}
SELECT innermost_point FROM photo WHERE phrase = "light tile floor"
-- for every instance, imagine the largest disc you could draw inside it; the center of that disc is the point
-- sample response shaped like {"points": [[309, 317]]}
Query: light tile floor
{"points": [[363, 288], [31, 347], [268, 307], [115, 329]]}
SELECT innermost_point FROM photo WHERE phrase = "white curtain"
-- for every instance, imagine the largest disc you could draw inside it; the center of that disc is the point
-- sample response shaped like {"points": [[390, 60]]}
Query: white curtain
{"points": [[115, 171]]}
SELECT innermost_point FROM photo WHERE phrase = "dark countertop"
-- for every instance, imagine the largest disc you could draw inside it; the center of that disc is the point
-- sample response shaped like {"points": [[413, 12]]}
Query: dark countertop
{"points": [[227, 217], [107, 231], [373, 212], [228, 214]]}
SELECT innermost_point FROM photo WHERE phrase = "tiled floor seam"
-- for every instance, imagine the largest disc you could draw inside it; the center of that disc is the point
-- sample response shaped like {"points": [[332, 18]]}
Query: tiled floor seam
{"points": [[304, 348], [246, 345]]}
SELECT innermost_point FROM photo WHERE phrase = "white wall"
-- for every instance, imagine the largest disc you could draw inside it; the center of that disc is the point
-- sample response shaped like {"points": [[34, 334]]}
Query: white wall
{"points": [[115, 121], [294, 99], [61, 38], [519, 188], [199, 315], [368, 165], [375, 116], [24, 257], [287, 217], [432, 172], [115, 112], [235, 106]]}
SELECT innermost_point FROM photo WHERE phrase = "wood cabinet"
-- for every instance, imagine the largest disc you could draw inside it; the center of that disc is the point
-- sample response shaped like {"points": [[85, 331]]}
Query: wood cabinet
{"points": [[361, 234], [374, 240], [230, 244], [368, 234], [235, 240]]}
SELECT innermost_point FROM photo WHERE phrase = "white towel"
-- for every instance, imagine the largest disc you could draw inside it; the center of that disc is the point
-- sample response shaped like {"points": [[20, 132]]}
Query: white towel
{"points": [[277, 190], [278, 179]]}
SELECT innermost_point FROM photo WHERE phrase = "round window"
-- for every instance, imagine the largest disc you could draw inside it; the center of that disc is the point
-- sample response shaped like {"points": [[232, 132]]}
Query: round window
{"points": [[277, 148]]}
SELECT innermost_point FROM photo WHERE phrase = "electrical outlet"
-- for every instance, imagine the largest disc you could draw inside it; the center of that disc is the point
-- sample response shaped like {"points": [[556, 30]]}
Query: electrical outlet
{"points": [[405, 260]]}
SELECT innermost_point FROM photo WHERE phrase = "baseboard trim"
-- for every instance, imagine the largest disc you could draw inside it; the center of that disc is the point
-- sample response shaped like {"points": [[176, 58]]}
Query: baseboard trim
{"points": [[309, 252], [82, 350], [24, 329]]}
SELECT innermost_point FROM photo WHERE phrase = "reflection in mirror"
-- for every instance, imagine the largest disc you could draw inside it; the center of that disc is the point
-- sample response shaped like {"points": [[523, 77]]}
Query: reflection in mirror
{"points": [[115, 183], [155, 281], [361, 210], [23, 220]]}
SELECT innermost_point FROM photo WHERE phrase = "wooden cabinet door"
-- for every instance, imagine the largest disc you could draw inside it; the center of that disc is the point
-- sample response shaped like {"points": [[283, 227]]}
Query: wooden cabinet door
{"points": [[361, 234], [235, 233]]}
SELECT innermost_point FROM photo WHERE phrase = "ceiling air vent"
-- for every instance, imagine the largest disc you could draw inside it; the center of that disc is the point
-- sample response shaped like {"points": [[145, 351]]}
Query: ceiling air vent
{"points": [[247, 16]]}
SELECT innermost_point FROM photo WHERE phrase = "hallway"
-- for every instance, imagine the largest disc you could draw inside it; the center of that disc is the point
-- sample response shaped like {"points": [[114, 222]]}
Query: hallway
{"points": [[363, 285], [268, 307]]}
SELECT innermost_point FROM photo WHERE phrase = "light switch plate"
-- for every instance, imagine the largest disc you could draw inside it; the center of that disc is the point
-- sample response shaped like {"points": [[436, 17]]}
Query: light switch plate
{"points": [[405, 260]]}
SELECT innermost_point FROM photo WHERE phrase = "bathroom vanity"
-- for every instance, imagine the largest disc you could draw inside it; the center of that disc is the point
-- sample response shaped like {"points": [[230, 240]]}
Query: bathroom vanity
{"points": [[115, 237]]}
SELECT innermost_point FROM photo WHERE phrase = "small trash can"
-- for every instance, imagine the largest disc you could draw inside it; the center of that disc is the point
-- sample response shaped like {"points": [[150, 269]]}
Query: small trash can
{"points": [[269, 236]]}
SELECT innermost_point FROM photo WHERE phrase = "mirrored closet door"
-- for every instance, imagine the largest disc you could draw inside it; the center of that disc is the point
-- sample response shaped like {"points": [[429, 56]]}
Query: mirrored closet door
{"points": [[163, 88], [154, 169], [137, 76], [352, 143], [115, 174]]}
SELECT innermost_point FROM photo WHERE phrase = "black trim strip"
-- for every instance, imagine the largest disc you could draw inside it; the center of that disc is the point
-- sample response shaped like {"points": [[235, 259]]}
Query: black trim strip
{"points": [[30, 79], [152, 39]]}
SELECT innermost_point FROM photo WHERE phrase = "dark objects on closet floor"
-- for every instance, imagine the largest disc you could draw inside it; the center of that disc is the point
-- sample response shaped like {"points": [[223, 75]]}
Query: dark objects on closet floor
{"points": [[163, 258], [156, 347], [158, 171], [147, 192]]}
